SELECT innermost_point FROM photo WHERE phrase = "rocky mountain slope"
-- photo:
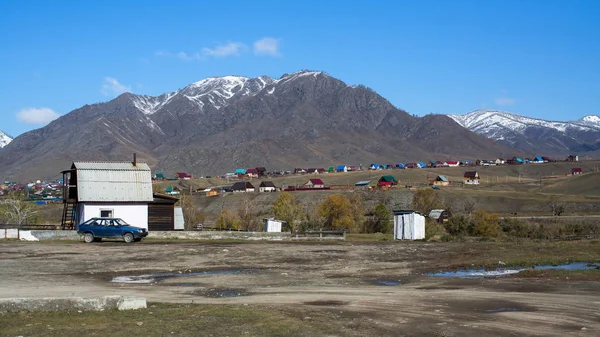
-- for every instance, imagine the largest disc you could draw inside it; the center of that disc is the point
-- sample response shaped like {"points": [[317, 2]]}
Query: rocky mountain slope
{"points": [[213, 126], [4, 139], [534, 135]]}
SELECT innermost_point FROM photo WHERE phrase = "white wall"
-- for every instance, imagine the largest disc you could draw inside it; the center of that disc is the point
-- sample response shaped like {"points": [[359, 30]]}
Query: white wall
{"points": [[179, 220], [134, 214], [272, 225], [409, 226]]}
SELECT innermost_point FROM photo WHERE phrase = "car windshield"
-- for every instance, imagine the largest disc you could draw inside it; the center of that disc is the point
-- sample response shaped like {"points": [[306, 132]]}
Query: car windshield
{"points": [[120, 222]]}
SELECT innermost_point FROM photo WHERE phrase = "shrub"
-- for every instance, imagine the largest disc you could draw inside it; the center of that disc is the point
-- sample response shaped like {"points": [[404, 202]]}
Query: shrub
{"points": [[458, 225], [486, 224], [515, 228], [425, 200], [432, 228], [380, 221]]}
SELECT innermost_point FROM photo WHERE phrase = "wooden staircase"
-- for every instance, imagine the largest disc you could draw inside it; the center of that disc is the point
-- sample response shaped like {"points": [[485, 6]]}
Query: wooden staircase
{"points": [[69, 215]]}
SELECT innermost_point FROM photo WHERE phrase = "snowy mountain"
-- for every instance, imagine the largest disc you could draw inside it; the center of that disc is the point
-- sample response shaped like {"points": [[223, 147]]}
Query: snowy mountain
{"points": [[212, 126], [532, 134], [214, 92], [4, 139]]}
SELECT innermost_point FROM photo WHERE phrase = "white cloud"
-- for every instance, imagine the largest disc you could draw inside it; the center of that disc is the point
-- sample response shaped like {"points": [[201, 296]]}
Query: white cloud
{"points": [[37, 116], [504, 101], [228, 49], [112, 87], [181, 55], [267, 46]]}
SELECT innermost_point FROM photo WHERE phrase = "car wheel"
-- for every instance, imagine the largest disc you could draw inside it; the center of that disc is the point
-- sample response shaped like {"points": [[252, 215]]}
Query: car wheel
{"points": [[88, 237], [128, 237]]}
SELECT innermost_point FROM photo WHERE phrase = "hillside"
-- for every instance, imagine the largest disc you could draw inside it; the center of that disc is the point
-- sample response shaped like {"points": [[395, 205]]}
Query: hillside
{"points": [[215, 125]]}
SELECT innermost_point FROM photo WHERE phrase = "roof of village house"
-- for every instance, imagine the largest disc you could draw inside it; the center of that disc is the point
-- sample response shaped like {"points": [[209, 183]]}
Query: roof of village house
{"points": [[362, 183], [316, 181], [436, 213], [183, 175], [241, 185], [441, 178], [577, 169], [471, 174], [113, 181], [251, 171], [388, 179], [267, 184]]}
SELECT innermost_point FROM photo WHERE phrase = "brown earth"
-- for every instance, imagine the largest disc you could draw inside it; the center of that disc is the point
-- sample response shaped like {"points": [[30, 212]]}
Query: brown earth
{"points": [[377, 288]]}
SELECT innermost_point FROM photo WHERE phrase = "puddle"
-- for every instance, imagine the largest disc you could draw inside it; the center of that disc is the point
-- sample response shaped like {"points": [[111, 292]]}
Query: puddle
{"points": [[157, 277], [387, 282], [330, 251], [327, 303], [493, 311], [222, 293], [479, 273]]}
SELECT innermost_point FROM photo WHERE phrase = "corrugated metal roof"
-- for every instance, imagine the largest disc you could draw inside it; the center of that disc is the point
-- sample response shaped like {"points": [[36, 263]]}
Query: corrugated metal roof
{"points": [[110, 165], [435, 213], [442, 178], [113, 182], [362, 183]]}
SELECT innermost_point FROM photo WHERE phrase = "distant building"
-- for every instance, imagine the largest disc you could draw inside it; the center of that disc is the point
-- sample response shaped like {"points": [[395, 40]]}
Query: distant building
{"points": [[315, 183], [441, 181], [576, 170], [266, 186], [272, 225], [183, 176], [242, 187], [471, 178], [409, 225], [362, 184], [440, 215]]}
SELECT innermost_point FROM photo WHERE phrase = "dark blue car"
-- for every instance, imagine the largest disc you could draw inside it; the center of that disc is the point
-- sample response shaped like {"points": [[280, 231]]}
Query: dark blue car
{"points": [[96, 229]]}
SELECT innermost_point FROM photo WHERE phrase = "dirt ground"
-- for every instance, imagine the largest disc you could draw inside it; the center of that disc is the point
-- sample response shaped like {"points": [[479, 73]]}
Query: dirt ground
{"points": [[378, 288]]}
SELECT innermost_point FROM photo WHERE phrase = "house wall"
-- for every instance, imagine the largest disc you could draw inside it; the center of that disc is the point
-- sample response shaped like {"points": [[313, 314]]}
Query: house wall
{"points": [[134, 214], [266, 189], [161, 217], [472, 182]]}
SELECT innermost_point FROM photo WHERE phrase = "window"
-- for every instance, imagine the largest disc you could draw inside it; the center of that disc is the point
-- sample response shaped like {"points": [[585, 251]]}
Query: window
{"points": [[106, 213]]}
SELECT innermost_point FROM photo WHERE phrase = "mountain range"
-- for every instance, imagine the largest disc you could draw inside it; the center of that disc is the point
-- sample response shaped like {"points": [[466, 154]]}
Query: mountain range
{"points": [[533, 135], [218, 124], [4, 139]]}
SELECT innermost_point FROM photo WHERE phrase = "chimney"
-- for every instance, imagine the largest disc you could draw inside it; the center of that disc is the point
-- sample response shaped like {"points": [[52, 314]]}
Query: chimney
{"points": [[134, 160]]}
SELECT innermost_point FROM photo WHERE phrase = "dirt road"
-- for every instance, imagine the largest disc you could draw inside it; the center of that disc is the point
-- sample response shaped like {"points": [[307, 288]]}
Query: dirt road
{"points": [[379, 287]]}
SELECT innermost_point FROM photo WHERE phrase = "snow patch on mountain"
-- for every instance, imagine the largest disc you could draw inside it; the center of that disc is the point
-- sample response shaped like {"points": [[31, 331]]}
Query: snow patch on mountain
{"points": [[298, 74], [4, 139], [496, 124], [150, 104], [590, 120]]}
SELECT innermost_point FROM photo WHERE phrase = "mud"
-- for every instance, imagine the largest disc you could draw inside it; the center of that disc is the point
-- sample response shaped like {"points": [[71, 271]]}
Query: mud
{"points": [[380, 288]]}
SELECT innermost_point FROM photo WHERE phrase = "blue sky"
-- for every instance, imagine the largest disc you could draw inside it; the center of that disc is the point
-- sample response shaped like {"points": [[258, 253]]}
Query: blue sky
{"points": [[536, 58]]}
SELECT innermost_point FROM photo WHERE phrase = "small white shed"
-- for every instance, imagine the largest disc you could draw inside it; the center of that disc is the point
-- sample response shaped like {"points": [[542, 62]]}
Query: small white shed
{"points": [[179, 221], [272, 225], [409, 225]]}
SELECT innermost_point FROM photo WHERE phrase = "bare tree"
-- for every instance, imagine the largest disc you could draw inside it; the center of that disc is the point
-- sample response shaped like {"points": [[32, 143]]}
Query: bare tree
{"points": [[246, 215], [556, 206], [469, 205], [191, 215], [15, 210]]}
